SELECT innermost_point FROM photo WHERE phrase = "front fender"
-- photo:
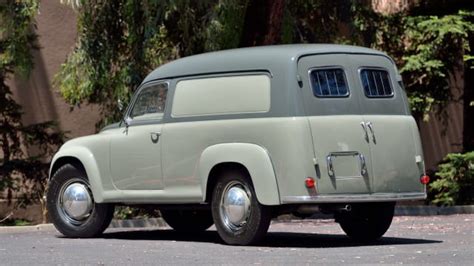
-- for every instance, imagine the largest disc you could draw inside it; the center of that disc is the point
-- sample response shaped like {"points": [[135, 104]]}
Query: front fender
{"points": [[255, 158], [87, 158]]}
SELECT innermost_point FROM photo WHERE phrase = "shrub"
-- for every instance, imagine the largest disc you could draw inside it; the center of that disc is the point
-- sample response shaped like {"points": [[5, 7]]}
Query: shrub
{"points": [[454, 181]]}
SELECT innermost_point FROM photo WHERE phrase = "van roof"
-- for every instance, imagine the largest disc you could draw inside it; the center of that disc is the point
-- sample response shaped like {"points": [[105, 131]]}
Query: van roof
{"points": [[249, 59]]}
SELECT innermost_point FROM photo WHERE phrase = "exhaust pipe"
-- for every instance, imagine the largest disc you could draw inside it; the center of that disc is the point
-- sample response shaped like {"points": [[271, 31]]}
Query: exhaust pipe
{"points": [[346, 208]]}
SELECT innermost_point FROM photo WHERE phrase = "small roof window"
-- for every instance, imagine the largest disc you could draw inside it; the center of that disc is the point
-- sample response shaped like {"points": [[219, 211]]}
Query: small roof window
{"points": [[376, 83], [329, 82]]}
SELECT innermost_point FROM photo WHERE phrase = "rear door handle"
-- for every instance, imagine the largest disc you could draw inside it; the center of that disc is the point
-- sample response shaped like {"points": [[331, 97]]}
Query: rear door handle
{"points": [[362, 124], [371, 128], [155, 136], [330, 166]]}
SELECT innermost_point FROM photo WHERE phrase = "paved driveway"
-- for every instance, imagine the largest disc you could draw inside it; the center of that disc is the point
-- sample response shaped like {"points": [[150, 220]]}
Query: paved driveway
{"points": [[411, 240]]}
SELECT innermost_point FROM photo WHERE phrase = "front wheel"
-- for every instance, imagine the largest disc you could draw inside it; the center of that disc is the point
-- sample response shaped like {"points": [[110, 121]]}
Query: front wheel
{"points": [[367, 222], [238, 217], [71, 206]]}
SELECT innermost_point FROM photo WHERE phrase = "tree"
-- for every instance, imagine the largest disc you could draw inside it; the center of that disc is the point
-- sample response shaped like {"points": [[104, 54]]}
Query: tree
{"points": [[25, 149], [263, 23], [433, 53], [121, 41]]}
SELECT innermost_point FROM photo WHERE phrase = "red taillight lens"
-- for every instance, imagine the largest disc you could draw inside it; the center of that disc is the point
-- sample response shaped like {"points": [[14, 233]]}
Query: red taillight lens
{"points": [[424, 179], [309, 182]]}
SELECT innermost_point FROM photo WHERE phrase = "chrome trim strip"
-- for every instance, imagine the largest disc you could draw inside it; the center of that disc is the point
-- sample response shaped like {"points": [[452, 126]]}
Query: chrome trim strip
{"points": [[355, 198]]}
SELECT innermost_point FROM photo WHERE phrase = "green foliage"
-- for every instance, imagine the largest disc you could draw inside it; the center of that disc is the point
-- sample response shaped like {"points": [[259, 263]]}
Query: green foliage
{"points": [[454, 183], [226, 25], [122, 41], [428, 50], [15, 222], [317, 21], [16, 37], [25, 149], [127, 212], [124, 212], [435, 51]]}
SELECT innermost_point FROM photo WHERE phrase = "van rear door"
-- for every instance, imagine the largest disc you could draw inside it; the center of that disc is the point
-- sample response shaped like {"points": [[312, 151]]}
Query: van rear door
{"points": [[364, 138], [396, 154], [333, 110]]}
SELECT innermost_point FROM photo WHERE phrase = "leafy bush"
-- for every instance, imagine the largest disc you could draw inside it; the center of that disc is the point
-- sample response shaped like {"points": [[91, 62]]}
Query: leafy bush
{"points": [[135, 212], [454, 181]]}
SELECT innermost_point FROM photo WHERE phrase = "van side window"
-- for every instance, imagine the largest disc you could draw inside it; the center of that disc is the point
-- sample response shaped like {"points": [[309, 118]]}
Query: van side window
{"points": [[150, 102], [376, 83], [329, 82], [240, 94]]}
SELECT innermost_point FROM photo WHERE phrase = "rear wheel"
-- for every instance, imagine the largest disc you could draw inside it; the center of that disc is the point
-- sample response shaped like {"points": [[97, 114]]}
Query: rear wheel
{"points": [[239, 218], [188, 220], [71, 206], [367, 222]]}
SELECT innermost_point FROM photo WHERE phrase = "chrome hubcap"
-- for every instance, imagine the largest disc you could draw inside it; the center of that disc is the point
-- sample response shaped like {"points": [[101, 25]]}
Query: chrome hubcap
{"points": [[75, 202], [235, 205]]}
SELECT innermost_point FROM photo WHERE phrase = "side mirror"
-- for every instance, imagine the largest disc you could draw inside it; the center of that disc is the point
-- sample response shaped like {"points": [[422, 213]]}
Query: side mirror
{"points": [[120, 105]]}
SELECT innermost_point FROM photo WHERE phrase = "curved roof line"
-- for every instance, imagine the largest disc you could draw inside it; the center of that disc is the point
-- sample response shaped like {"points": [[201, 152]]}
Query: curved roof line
{"points": [[252, 58]]}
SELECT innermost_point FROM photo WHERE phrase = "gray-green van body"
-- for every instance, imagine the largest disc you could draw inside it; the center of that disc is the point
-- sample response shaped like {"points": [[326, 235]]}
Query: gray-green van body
{"points": [[356, 139]]}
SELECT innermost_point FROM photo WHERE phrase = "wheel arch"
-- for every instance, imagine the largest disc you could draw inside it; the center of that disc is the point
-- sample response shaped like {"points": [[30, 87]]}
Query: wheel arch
{"points": [[251, 158], [63, 161], [83, 159]]}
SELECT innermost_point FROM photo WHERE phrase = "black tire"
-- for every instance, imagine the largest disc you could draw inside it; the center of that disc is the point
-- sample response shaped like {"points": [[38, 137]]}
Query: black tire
{"points": [[257, 219], [190, 221], [367, 222], [93, 224]]}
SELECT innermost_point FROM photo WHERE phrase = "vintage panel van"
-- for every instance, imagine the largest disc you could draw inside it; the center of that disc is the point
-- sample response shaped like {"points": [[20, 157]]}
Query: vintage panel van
{"points": [[236, 137]]}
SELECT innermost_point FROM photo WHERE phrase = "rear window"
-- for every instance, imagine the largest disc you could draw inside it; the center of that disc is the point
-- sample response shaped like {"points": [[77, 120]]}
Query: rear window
{"points": [[376, 83], [329, 82]]}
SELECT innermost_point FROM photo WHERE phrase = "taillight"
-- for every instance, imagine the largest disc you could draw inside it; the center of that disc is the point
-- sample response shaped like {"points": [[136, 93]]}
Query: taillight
{"points": [[309, 182], [424, 179]]}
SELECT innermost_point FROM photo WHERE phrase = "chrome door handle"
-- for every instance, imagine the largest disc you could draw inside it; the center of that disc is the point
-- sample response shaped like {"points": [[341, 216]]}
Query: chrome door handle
{"points": [[365, 131], [363, 165], [330, 166], [371, 128], [155, 136]]}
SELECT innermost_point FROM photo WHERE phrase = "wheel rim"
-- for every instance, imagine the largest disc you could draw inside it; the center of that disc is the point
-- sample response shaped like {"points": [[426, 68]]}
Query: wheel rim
{"points": [[235, 205], [75, 203]]}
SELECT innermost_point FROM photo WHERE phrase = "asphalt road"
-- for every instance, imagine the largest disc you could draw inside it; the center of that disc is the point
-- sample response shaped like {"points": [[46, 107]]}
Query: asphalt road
{"points": [[440, 240]]}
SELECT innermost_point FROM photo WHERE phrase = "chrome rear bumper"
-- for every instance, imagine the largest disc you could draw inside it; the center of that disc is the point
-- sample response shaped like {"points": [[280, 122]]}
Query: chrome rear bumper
{"points": [[375, 197]]}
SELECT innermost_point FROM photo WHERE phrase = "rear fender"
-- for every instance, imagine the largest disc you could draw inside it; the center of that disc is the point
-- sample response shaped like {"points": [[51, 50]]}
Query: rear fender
{"points": [[253, 157]]}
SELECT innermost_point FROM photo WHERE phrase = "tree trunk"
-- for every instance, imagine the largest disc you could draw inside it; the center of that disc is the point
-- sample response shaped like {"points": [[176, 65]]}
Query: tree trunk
{"points": [[468, 132], [263, 21]]}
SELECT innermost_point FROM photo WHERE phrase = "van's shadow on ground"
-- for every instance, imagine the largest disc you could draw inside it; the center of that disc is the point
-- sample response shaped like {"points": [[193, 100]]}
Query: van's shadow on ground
{"points": [[272, 239]]}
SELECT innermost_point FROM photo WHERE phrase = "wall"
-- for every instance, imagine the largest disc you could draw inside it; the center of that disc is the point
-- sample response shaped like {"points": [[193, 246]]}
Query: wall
{"points": [[442, 136], [56, 27]]}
